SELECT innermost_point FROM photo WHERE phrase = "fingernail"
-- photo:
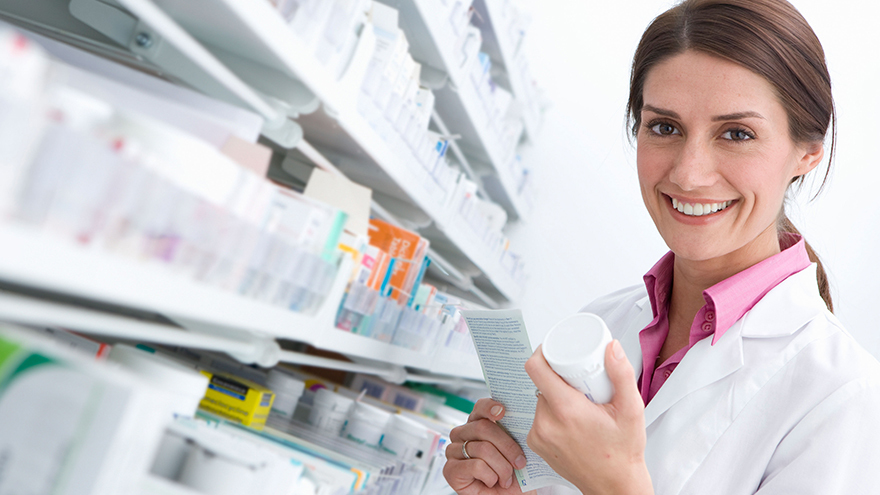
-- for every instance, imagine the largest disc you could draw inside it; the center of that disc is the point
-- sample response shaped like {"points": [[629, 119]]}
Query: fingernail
{"points": [[520, 462], [617, 350], [506, 483], [495, 411]]}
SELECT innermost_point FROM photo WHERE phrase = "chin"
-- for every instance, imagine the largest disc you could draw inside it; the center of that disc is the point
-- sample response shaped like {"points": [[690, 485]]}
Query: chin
{"points": [[695, 250]]}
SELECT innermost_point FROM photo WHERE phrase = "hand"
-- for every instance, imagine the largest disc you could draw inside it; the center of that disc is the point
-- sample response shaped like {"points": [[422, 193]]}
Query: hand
{"points": [[493, 454], [598, 447]]}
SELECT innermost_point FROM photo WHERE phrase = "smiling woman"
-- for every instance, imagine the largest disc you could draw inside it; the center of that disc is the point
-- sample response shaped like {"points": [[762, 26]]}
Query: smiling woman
{"points": [[772, 41], [738, 379]]}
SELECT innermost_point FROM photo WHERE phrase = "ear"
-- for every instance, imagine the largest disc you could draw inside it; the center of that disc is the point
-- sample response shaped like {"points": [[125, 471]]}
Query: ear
{"points": [[811, 156]]}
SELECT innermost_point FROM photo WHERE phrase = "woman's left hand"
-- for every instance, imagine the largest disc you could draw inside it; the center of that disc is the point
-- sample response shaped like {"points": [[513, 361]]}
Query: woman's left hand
{"points": [[598, 447]]}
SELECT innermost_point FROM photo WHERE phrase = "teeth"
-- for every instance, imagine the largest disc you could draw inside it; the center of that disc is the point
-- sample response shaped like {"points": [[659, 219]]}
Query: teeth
{"points": [[699, 209]]}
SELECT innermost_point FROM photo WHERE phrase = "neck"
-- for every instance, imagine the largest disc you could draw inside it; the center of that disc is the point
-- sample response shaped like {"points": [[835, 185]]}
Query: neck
{"points": [[692, 277]]}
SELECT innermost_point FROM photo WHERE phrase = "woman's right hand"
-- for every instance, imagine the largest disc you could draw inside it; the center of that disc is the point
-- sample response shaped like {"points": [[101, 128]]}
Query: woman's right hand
{"points": [[493, 454]]}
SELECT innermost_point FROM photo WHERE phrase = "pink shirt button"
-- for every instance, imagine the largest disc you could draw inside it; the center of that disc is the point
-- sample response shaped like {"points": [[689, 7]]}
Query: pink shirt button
{"points": [[667, 373], [707, 327], [710, 316]]}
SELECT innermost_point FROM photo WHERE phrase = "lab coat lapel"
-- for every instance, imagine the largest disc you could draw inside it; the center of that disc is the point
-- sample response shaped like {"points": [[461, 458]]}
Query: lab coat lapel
{"points": [[703, 365], [629, 340]]}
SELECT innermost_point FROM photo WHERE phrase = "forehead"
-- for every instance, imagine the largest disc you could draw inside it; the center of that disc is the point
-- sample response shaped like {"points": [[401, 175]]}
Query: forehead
{"points": [[695, 83]]}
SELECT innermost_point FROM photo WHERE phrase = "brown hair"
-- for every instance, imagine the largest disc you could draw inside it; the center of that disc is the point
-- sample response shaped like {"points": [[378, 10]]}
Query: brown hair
{"points": [[768, 37]]}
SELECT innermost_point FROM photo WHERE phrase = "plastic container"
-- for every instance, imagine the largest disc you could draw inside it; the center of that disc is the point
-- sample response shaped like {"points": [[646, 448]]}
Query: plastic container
{"points": [[366, 424], [405, 438], [575, 349], [450, 416], [288, 390], [329, 411], [185, 384]]}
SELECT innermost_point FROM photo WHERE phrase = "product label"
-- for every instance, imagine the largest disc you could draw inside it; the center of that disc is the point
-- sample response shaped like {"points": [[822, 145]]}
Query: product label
{"points": [[503, 346]]}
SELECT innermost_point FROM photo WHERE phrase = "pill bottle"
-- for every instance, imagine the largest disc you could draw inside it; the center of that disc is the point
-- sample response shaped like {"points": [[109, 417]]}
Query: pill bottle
{"points": [[329, 411], [575, 349], [366, 424], [288, 390], [405, 438]]}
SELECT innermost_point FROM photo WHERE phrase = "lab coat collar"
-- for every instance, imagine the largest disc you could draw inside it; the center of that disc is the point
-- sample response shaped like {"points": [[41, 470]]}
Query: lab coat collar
{"points": [[798, 294], [705, 364]]}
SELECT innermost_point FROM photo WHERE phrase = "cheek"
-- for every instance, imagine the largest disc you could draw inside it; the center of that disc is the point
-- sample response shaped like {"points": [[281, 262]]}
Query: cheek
{"points": [[651, 165]]}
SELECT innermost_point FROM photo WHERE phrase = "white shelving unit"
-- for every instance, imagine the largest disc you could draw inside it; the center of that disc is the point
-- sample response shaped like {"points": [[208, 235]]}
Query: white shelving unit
{"points": [[504, 48], [254, 42], [458, 102], [36, 259], [243, 53]]}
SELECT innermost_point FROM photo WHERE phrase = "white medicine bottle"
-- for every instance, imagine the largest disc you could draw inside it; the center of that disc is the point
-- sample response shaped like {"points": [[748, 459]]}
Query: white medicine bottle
{"points": [[575, 349]]}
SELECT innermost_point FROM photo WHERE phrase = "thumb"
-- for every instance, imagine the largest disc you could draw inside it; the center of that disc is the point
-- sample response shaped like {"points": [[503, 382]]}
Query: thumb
{"points": [[627, 398]]}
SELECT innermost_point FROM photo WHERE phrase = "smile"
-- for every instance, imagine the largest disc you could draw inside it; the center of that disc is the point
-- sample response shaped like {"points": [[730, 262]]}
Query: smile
{"points": [[699, 209]]}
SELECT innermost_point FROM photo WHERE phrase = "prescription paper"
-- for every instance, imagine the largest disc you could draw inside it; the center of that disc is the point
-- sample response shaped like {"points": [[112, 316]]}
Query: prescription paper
{"points": [[503, 347]]}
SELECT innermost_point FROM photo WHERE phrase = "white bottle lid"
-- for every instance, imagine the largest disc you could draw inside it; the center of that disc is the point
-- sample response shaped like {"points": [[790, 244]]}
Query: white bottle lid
{"points": [[329, 400], [370, 414], [402, 424], [575, 349], [281, 382]]}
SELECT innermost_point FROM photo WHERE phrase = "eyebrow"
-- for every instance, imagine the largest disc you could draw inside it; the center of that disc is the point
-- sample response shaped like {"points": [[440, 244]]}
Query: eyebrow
{"points": [[717, 118]]}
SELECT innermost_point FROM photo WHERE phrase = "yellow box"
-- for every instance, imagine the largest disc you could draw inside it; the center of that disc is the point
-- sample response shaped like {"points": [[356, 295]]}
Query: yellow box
{"points": [[237, 399]]}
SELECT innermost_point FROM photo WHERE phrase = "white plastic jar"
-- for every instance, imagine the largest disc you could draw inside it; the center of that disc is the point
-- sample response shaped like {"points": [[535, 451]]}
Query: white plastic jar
{"points": [[405, 438], [288, 390], [329, 411], [366, 424], [575, 349]]}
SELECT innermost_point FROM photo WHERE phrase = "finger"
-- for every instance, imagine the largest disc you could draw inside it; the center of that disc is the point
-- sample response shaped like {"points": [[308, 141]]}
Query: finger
{"points": [[462, 474], [487, 453], [484, 430], [487, 408], [627, 399], [553, 388]]}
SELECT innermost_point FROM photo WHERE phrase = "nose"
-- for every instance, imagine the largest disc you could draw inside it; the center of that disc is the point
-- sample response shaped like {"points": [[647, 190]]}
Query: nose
{"points": [[694, 166]]}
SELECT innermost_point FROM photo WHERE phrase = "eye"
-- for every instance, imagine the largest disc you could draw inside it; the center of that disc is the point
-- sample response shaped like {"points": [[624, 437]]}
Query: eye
{"points": [[738, 135], [664, 129]]}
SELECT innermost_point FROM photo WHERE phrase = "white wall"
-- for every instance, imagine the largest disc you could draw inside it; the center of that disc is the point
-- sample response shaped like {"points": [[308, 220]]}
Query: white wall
{"points": [[590, 233]]}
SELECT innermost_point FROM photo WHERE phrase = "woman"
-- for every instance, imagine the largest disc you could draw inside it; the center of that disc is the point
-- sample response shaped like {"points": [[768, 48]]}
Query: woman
{"points": [[738, 379]]}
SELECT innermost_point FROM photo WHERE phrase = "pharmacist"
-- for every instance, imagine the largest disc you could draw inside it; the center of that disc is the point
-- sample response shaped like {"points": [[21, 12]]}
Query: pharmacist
{"points": [[732, 375]]}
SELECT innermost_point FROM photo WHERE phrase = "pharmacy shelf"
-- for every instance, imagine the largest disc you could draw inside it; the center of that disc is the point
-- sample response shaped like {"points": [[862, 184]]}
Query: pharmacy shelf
{"points": [[504, 48], [458, 103], [40, 260], [456, 363], [238, 30], [251, 37], [365, 158], [460, 236]]}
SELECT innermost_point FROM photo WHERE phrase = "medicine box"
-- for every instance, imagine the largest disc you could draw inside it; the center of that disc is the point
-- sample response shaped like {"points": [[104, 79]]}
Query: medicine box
{"points": [[237, 399]]}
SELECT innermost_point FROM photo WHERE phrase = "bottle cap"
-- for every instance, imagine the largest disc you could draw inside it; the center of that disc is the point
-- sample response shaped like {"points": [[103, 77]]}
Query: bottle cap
{"points": [[576, 345]]}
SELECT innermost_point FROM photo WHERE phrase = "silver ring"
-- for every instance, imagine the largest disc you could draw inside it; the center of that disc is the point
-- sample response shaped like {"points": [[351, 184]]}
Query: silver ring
{"points": [[537, 393], [464, 449]]}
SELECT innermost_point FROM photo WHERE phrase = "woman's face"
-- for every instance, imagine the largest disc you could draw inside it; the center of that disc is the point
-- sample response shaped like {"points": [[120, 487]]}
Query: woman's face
{"points": [[715, 157]]}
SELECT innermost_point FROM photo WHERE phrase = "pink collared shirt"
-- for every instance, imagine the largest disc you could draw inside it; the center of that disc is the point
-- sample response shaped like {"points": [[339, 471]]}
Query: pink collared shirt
{"points": [[726, 302]]}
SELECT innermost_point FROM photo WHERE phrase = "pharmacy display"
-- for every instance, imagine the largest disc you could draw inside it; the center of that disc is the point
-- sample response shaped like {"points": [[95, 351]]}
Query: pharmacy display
{"points": [[235, 249]]}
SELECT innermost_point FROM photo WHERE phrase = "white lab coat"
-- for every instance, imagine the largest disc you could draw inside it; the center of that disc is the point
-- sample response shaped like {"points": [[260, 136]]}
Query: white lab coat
{"points": [[786, 402]]}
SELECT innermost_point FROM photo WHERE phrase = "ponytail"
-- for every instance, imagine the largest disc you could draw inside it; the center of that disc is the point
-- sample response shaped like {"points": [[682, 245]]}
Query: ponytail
{"points": [[785, 225]]}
